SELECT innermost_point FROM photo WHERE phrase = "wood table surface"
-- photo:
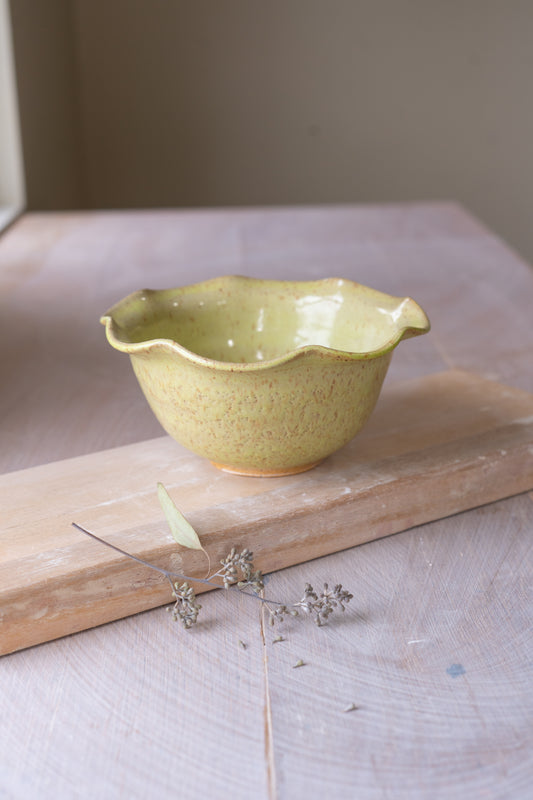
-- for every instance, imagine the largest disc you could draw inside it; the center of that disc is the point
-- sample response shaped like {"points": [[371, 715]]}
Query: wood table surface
{"points": [[435, 649]]}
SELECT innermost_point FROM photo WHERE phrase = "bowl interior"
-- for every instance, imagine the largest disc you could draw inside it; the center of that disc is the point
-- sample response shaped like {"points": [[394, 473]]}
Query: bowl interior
{"points": [[249, 320]]}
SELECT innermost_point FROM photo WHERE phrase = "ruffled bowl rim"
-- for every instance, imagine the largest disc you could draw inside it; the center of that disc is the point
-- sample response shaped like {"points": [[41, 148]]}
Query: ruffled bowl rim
{"points": [[322, 351]]}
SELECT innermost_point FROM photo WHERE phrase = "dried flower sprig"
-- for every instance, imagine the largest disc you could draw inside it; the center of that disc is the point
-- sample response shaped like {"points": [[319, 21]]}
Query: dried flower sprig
{"points": [[236, 571], [321, 606], [243, 562], [185, 608]]}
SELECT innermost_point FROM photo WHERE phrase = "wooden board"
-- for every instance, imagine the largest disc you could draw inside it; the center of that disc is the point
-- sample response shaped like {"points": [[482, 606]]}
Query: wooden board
{"points": [[434, 447]]}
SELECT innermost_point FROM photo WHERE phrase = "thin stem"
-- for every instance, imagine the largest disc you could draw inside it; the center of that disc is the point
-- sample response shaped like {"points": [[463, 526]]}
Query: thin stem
{"points": [[169, 574]]}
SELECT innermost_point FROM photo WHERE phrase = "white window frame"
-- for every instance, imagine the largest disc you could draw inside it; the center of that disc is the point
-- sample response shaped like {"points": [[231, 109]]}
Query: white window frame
{"points": [[12, 184]]}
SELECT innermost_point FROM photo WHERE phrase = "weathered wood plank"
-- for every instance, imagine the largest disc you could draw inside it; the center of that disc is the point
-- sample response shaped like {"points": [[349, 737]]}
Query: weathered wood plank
{"points": [[472, 445]]}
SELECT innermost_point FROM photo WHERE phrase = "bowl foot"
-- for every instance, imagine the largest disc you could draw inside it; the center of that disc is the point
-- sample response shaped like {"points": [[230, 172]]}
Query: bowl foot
{"points": [[266, 473]]}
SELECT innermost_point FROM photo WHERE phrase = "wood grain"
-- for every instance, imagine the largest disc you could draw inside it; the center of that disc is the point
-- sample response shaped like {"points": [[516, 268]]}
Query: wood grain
{"points": [[435, 446], [139, 707], [453, 592], [433, 651]]}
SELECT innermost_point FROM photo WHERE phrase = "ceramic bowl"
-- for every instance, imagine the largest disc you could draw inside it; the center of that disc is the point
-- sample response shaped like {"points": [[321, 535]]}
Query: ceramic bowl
{"points": [[262, 377]]}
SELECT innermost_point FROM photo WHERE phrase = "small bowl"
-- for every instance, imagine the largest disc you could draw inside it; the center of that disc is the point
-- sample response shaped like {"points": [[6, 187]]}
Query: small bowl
{"points": [[262, 377]]}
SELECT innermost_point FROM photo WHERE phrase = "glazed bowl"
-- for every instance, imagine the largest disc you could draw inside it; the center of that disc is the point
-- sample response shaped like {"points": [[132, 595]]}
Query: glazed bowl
{"points": [[262, 377]]}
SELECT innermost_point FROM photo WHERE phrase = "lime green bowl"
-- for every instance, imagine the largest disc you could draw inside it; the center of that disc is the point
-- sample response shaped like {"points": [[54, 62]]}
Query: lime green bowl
{"points": [[262, 377]]}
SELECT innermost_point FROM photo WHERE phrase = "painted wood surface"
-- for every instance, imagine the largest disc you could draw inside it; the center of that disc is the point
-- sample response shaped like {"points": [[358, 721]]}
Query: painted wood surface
{"points": [[436, 446], [436, 646]]}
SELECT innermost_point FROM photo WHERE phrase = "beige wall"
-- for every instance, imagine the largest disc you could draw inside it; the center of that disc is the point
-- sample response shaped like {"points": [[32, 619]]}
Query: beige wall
{"points": [[217, 102]]}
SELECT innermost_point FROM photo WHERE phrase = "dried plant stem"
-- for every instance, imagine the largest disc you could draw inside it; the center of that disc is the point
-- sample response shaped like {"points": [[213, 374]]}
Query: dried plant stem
{"points": [[237, 573], [169, 574]]}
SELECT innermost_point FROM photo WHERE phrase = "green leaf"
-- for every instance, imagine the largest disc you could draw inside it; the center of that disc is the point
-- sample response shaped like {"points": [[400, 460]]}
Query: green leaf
{"points": [[181, 530]]}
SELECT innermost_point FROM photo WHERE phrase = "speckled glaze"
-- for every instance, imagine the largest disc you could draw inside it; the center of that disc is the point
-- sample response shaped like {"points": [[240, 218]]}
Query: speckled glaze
{"points": [[262, 377]]}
